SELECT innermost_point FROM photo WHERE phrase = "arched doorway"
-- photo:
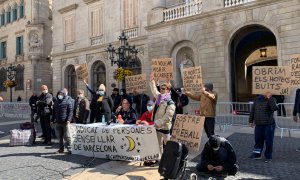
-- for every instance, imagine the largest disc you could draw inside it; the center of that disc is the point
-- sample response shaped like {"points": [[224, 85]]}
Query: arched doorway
{"points": [[71, 81], [184, 59], [136, 67], [98, 75], [250, 46]]}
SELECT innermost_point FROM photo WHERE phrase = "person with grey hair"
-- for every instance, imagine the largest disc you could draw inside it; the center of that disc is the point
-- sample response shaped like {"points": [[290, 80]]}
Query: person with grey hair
{"points": [[208, 102], [81, 109]]}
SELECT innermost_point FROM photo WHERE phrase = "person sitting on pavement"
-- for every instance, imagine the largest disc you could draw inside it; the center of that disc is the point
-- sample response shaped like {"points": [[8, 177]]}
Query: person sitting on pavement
{"points": [[145, 119], [262, 114], [218, 157], [125, 113], [62, 116]]}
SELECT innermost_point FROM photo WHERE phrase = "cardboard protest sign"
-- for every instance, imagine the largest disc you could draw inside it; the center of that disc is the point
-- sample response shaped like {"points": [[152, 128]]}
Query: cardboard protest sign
{"points": [[295, 70], [273, 79], [116, 142], [163, 68], [82, 72], [192, 79], [136, 83], [187, 130]]}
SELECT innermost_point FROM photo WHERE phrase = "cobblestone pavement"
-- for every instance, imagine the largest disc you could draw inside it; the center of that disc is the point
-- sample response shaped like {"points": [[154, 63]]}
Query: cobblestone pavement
{"points": [[285, 163]]}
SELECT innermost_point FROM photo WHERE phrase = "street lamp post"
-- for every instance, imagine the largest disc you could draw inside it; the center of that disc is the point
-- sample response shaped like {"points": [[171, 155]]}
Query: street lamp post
{"points": [[11, 73], [124, 56]]}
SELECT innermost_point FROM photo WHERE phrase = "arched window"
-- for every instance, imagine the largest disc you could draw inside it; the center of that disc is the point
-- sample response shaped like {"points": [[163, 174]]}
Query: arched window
{"points": [[2, 79], [98, 74], [71, 81], [137, 67], [19, 77]]}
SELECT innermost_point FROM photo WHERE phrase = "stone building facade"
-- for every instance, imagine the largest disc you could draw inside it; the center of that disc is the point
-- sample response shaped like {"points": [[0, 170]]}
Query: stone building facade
{"points": [[25, 43], [224, 37]]}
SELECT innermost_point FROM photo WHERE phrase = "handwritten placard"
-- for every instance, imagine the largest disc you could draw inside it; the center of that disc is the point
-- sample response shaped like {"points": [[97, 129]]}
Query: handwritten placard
{"points": [[116, 142], [163, 68], [192, 79], [273, 79], [187, 130], [136, 83], [295, 70], [82, 72]]}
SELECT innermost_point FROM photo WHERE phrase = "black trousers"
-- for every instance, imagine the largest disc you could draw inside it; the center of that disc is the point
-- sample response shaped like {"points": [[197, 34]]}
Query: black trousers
{"points": [[92, 115], [46, 128], [209, 126], [232, 169]]}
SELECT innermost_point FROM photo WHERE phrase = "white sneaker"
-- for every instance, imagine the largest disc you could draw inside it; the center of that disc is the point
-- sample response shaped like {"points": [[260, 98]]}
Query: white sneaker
{"points": [[1, 132]]}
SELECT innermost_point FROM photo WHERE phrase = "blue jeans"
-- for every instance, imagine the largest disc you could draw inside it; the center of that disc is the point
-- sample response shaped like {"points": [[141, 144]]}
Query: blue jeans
{"points": [[264, 134]]}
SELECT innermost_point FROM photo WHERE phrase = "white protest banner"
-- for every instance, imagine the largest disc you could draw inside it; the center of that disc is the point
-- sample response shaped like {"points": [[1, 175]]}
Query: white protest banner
{"points": [[82, 72], [163, 68], [295, 70], [187, 130], [192, 79], [273, 79], [136, 83], [116, 142]]}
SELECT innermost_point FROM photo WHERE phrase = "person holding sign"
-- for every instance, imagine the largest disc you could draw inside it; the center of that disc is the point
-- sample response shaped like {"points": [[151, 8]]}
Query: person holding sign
{"points": [[145, 119], [262, 114], [163, 112], [101, 104], [208, 101], [126, 115], [218, 157]]}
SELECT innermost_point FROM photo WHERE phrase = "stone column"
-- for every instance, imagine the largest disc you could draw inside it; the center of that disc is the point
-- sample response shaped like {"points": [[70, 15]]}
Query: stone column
{"points": [[159, 4], [156, 14]]}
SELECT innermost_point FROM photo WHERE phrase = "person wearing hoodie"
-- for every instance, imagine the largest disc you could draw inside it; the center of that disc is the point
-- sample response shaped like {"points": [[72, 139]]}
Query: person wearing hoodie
{"points": [[62, 116], [163, 112], [262, 115], [208, 102], [101, 105]]}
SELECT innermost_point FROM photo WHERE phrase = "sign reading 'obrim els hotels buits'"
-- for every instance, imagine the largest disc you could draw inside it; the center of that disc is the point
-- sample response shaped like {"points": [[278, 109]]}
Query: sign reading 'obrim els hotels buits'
{"points": [[273, 79], [116, 142], [136, 83]]}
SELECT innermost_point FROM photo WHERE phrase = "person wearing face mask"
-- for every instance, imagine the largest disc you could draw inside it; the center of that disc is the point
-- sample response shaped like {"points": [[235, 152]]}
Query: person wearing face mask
{"points": [[208, 102], [81, 109], [101, 104], [62, 116], [145, 119], [218, 157], [163, 111], [44, 110]]}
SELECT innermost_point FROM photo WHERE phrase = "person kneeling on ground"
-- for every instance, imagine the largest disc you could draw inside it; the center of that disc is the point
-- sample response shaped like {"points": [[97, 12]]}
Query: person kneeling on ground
{"points": [[218, 157]]}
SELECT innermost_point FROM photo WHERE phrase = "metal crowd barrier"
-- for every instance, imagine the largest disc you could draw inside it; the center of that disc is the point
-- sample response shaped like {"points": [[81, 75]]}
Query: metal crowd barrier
{"points": [[14, 110]]}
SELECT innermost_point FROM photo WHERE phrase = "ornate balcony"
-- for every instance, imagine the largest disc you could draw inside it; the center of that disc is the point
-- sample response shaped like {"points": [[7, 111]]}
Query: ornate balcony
{"points": [[131, 33], [229, 3]]}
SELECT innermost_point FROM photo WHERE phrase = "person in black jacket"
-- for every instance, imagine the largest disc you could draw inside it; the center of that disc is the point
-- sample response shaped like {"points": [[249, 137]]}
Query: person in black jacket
{"points": [[44, 104], [218, 157], [101, 105], [262, 114], [296, 109], [32, 103], [117, 99], [141, 102], [62, 116], [126, 114], [81, 108]]}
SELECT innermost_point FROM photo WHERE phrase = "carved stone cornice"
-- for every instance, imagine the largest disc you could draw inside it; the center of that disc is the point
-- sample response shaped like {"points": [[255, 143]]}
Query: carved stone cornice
{"points": [[90, 1], [68, 8]]}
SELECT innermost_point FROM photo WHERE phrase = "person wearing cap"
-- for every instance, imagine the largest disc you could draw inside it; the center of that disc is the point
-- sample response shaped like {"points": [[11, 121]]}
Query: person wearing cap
{"points": [[126, 115], [262, 115], [62, 116], [218, 157], [145, 119], [116, 97], [208, 102], [81, 108], [101, 104]]}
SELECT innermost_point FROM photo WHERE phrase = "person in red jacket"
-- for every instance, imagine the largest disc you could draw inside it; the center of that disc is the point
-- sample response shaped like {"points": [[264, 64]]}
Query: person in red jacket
{"points": [[145, 119]]}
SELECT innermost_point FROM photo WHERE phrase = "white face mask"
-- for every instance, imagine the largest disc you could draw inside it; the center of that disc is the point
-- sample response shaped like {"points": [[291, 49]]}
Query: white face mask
{"points": [[149, 108], [80, 95], [101, 93], [45, 91], [60, 96], [215, 149], [121, 93]]}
